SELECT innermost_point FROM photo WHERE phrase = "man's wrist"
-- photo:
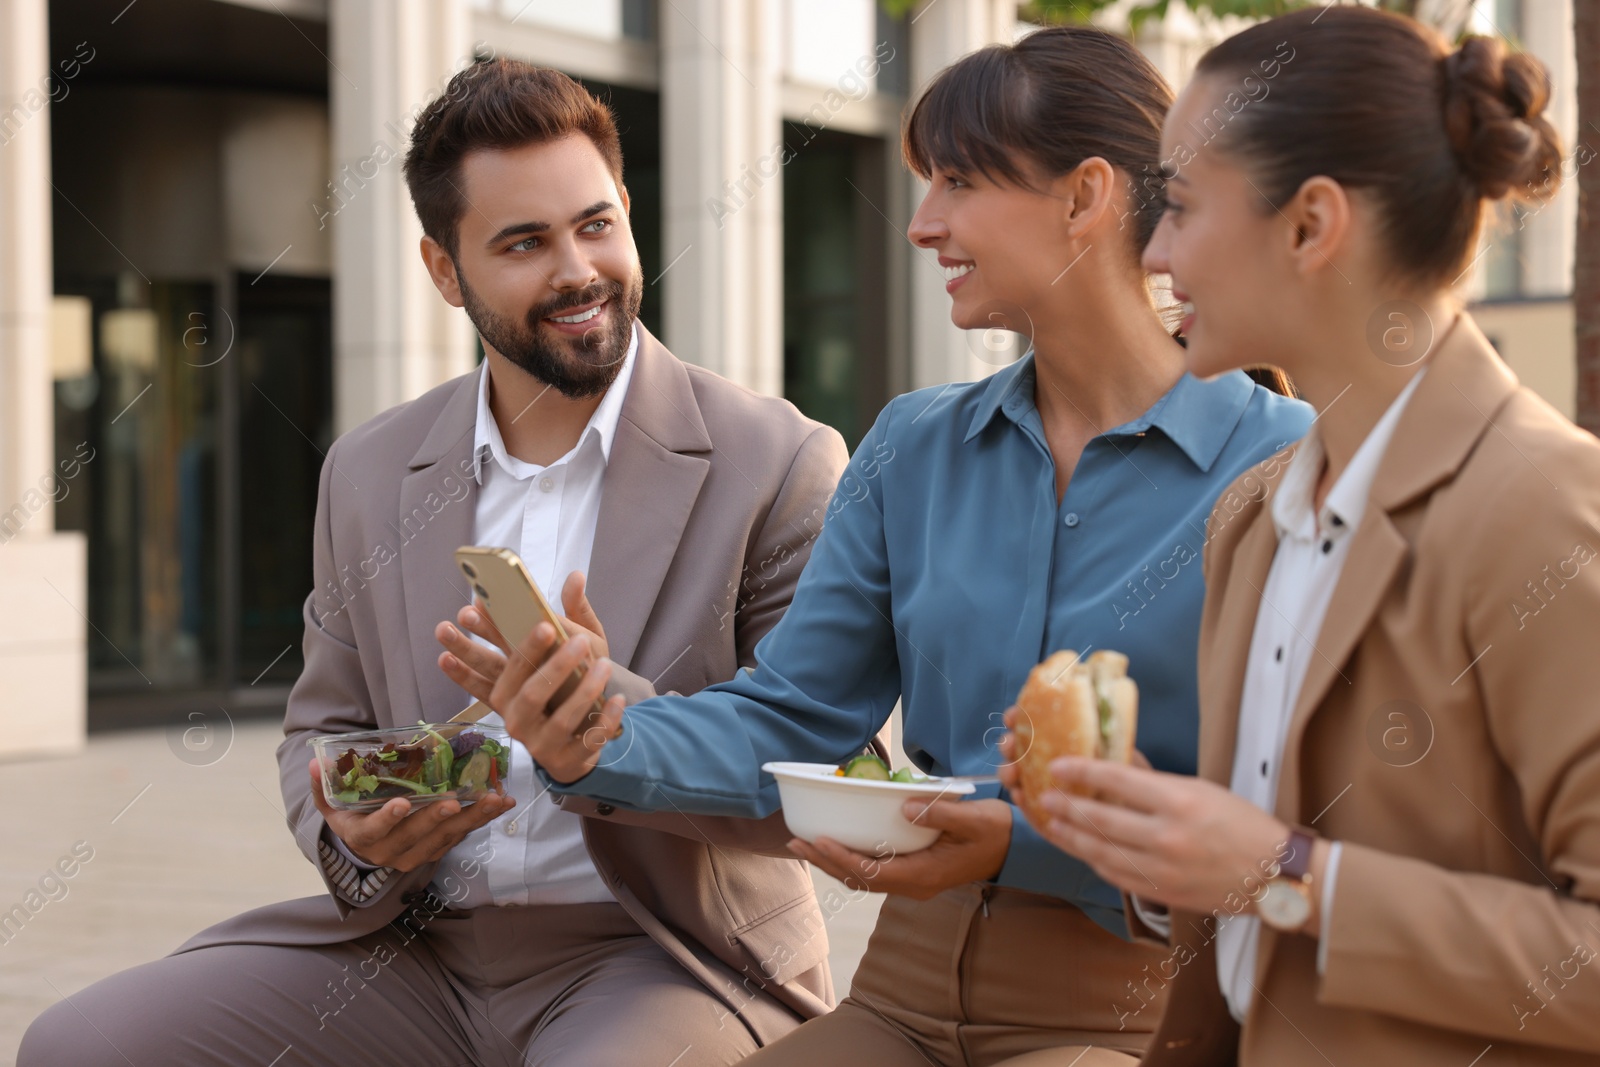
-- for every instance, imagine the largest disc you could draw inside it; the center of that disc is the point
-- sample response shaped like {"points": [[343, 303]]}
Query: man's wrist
{"points": [[338, 844]]}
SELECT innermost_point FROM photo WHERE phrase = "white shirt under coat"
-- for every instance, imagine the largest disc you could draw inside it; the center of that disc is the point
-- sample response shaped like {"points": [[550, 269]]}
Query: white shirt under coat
{"points": [[1312, 548], [535, 854]]}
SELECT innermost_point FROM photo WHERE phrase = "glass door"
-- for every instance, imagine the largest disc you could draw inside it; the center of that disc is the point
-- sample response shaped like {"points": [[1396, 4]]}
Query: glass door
{"points": [[199, 434]]}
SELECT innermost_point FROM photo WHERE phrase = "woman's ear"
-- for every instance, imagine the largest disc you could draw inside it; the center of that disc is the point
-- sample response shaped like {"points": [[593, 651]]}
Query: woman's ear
{"points": [[1319, 225], [1086, 193]]}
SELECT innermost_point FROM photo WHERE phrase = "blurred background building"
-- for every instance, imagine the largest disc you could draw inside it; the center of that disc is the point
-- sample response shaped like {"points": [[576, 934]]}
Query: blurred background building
{"points": [[208, 270]]}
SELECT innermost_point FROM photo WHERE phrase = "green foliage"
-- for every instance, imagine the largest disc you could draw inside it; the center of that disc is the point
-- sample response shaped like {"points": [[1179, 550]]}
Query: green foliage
{"points": [[1058, 11], [1055, 11]]}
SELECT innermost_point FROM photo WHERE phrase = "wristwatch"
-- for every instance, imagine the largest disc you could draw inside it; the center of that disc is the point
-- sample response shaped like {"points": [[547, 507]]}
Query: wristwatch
{"points": [[1286, 905]]}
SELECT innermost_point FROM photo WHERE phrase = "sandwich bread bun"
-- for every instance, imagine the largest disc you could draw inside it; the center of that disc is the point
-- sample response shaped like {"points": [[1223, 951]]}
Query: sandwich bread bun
{"points": [[1072, 707]]}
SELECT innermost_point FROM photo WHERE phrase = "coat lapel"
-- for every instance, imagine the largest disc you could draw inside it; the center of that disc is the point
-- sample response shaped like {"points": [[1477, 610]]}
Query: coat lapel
{"points": [[438, 505], [1376, 552], [1465, 385], [659, 460], [1229, 651]]}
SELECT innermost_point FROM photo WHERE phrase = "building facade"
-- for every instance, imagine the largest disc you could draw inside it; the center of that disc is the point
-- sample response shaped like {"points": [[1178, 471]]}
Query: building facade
{"points": [[208, 270]]}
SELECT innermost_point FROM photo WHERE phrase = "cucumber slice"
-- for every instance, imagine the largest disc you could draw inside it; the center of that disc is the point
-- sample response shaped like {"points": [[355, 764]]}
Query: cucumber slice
{"points": [[908, 774], [867, 765]]}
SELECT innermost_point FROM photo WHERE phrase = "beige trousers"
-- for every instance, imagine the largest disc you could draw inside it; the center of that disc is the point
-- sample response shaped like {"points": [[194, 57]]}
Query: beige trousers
{"points": [[571, 985], [982, 976]]}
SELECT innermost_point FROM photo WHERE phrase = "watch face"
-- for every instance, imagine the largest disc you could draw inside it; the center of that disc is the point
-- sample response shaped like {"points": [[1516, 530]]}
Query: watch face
{"points": [[1284, 906]]}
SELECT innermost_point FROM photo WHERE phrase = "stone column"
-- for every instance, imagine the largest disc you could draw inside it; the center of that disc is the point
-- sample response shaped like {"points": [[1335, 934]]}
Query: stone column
{"points": [[394, 337], [722, 191], [942, 32], [42, 572], [1547, 237]]}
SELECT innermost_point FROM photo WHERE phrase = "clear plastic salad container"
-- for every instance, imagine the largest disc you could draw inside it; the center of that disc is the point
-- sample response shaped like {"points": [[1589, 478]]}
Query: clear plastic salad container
{"points": [[423, 763]]}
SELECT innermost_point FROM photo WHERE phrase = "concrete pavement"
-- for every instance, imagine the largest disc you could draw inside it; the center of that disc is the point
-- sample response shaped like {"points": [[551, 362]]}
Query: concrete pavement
{"points": [[164, 833]]}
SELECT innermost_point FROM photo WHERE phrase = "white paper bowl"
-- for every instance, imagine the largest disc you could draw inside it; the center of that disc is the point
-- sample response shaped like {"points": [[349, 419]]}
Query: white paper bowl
{"points": [[858, 813]]}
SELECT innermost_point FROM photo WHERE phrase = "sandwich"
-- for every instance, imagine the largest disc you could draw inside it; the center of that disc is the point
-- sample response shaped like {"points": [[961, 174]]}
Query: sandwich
{"points": [[1072, 707]]}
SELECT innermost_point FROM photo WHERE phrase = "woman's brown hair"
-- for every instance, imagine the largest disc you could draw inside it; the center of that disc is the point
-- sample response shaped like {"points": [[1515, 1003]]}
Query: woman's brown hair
{"points": [[1381, 103], [1053, 99]]}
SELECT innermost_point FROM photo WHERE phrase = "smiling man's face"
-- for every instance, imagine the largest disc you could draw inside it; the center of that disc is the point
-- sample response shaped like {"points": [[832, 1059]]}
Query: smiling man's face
{"points": [[545, 262]]}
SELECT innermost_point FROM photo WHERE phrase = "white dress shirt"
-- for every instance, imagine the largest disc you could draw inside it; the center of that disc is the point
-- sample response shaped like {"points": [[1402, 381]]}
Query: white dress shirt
{"points": [[535, 854], [1312, 547]]}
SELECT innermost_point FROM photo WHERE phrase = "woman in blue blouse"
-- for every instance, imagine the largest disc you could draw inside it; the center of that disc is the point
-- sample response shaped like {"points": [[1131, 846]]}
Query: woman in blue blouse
{"points": [[1061, 503]]}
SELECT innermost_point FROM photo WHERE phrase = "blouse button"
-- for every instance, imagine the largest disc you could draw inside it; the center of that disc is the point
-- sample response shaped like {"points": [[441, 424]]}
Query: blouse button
{"points": [[1071, 519]]}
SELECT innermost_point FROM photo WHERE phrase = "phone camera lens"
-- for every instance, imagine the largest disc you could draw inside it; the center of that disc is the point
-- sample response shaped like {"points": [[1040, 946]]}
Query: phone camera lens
{"points": [[483, 594], [466, 568]]}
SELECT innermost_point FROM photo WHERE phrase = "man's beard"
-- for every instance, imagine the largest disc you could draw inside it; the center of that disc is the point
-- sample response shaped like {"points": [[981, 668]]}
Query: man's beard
{"points": [[579, 367]]}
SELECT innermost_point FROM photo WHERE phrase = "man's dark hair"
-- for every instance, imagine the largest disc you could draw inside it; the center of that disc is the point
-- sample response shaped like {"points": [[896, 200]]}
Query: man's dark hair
{"points": [[498, 103]]}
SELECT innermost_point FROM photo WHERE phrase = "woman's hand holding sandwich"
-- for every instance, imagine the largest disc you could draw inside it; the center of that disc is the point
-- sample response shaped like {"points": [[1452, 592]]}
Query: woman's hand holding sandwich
{"points": [[1184, 842]]}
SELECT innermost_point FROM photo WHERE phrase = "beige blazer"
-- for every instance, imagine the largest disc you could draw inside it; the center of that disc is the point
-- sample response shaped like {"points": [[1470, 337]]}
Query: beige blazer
{"points": [[712, 497], [1448, 733]]}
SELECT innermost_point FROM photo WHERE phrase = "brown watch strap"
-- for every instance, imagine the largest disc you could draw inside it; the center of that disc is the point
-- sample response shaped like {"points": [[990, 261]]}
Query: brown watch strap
{"points": [[1296, 862]]}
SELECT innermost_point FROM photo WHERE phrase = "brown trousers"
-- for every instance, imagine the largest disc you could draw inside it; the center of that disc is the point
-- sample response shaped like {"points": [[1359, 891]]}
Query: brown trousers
{"points": [[981, 976], [575, 985]]}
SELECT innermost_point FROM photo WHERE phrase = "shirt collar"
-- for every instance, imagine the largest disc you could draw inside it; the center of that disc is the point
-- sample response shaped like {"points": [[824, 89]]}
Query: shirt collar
{"points": [[1346, 503], [1009, 387], [601, 427], [1197, 416]]}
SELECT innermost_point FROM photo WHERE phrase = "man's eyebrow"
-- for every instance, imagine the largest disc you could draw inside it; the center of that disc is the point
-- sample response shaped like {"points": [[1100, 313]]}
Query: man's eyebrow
{"points": [[592, 210], [519, 230], [523, 229]]}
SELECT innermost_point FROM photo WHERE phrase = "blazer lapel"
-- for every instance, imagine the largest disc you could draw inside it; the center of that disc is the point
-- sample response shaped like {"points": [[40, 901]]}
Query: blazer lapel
{"points": [[438, 506], [1226, 658], [1466, 384], [659, 460], [1376, 552]]}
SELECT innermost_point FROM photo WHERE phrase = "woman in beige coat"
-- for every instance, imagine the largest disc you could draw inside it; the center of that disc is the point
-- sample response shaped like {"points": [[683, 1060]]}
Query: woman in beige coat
{"points": [[1391, 854]]}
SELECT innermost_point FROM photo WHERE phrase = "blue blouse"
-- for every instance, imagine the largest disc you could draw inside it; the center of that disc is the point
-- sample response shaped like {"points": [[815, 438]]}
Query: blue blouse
{"points": [[944, 572]]}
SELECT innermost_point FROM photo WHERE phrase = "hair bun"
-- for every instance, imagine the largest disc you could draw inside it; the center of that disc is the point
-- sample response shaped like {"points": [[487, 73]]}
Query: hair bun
{"points": [[1494, 115]]}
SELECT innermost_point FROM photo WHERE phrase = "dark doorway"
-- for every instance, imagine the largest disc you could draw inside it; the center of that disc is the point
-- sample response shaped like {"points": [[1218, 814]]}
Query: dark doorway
{"points": [[835, 342], [207, 406]]}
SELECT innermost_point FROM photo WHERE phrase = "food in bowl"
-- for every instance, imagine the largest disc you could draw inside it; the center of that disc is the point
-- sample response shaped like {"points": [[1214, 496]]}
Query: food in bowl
{"points": [[1072, 707], [871, 766], [858, 810], [425, 763]]}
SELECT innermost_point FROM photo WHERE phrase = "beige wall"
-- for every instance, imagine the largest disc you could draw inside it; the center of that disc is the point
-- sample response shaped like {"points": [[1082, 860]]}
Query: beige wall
{"points": [[1535, 338], [42, 572]]}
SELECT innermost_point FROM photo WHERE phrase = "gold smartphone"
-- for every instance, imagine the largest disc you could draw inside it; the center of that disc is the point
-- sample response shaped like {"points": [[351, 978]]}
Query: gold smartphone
{"points": [[503, 588]]}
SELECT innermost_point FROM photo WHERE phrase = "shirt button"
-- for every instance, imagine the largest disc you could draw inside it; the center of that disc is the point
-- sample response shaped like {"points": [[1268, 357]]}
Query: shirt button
{"points": [[604, 809], [1278, 655], [1327, 546], [1071, 519], [1263, 768], [547, 483], [511, 827]]}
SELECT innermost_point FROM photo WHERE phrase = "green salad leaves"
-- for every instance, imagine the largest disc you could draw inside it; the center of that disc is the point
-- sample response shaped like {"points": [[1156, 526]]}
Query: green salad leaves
{"points": [[465, 765]]}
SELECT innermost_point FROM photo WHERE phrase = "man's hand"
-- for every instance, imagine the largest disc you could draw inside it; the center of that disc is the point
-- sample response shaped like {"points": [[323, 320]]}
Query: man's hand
{"points": [[475, 668], [565, 739], [972, 848], [393, 837]]}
